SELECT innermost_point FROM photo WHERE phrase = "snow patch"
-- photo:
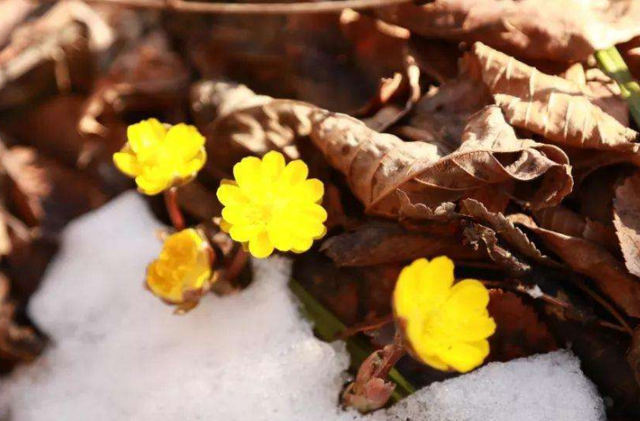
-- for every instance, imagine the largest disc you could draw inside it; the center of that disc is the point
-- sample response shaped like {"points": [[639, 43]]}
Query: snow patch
{"points": [[119, 354]]}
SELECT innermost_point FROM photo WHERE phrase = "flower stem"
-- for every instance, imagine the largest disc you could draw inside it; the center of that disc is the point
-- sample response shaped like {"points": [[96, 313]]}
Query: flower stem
{"points": [[612, 63], [171, 202], [328, 327]]}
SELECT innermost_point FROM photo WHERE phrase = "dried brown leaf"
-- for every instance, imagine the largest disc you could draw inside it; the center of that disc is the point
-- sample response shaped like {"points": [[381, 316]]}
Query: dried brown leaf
{"points": [[250, 124], [550, 106], [381, 242], [482, 237], [46, 193], [505, 229], [564, 30], [626, 218], [587, 258], [147, 78], [520, 332], [634, 355], [380, 166]]}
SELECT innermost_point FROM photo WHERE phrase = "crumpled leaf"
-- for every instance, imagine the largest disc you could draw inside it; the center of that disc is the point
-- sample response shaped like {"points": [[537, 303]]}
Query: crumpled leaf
{"points": [[46, 193], [370, 390], [442, 113], [485, 238], [250, 124], [520, 332], [626, 218], [148, 78], [505, 229], [564, 30], [609, 274], [564, 221], [395, 98], [550, 106], [379, 166], [57, 50], [382, 242]]}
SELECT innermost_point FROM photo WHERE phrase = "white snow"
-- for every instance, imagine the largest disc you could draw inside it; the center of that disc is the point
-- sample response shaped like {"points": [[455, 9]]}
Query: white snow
{"points": [[120, 354]]}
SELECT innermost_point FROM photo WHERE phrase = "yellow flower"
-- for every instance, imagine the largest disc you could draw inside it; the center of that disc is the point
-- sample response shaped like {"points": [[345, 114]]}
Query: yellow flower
{"points": [[272, 206], [160, 157], [182, 272], [445, 325]]}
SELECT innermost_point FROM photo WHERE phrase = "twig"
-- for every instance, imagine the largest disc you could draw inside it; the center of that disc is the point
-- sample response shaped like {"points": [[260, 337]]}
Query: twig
{"points": [[183, 6], [612, 63]]}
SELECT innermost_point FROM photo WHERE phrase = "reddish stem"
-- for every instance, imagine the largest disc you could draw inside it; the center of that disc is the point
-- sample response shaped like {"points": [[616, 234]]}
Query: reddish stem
{"points": [[171, 202], [391, 354]]}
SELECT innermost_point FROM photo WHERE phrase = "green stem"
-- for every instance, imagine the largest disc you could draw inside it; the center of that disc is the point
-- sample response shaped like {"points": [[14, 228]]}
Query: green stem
{"points": [[612, 63], [328, 327]]}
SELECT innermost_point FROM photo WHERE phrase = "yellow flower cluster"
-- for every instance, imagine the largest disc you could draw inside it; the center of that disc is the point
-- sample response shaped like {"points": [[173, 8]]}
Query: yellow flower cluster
{"points": [[445, 325], [183, 270], [161, 157], [271, 205]]}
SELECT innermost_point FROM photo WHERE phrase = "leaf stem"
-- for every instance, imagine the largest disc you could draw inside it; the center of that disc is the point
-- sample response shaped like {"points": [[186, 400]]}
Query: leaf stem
{"points": [[612, 63], [328, 327]]}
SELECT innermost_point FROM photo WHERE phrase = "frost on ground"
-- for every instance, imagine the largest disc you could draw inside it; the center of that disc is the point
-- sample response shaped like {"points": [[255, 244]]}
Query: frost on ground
{"points": [[119, 354]]}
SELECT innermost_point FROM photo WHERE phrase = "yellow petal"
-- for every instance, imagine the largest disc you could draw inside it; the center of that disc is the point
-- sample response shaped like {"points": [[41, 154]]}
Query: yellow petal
{"points": [[184, 141], [294, 173], [247, 174], [231, 195], [127, 163], [312, 190], [260, 246], [272, 165], [193, 166], [145, 134], [464, 357], [152, 186]]}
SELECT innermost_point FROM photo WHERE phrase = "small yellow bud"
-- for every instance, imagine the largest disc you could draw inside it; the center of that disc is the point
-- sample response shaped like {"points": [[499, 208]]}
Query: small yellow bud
{"points": [[182, 272]]}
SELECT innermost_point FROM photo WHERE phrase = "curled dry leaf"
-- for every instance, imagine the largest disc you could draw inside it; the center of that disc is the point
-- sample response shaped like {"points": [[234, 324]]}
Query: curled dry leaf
{"points": [[550, 106], [380, 167], [149, 77], [250, 124], [538, 29], [58, 50], [626, 218], [442, 114], [564, 221], [46, 193], [505, 229], [587, 258], [478, 235], [403, 88], [520, 332], [381, 242]]}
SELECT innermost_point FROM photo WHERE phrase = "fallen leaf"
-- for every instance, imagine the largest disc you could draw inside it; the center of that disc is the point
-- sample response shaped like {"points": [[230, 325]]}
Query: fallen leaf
{"points": [[520, 332], [46, 193], [550, 106], [626, 218], [505, 229], [379, 166], [563, 30], [485, 238], [382, 242], [609, 274], [634, 355], [250, 124]]}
